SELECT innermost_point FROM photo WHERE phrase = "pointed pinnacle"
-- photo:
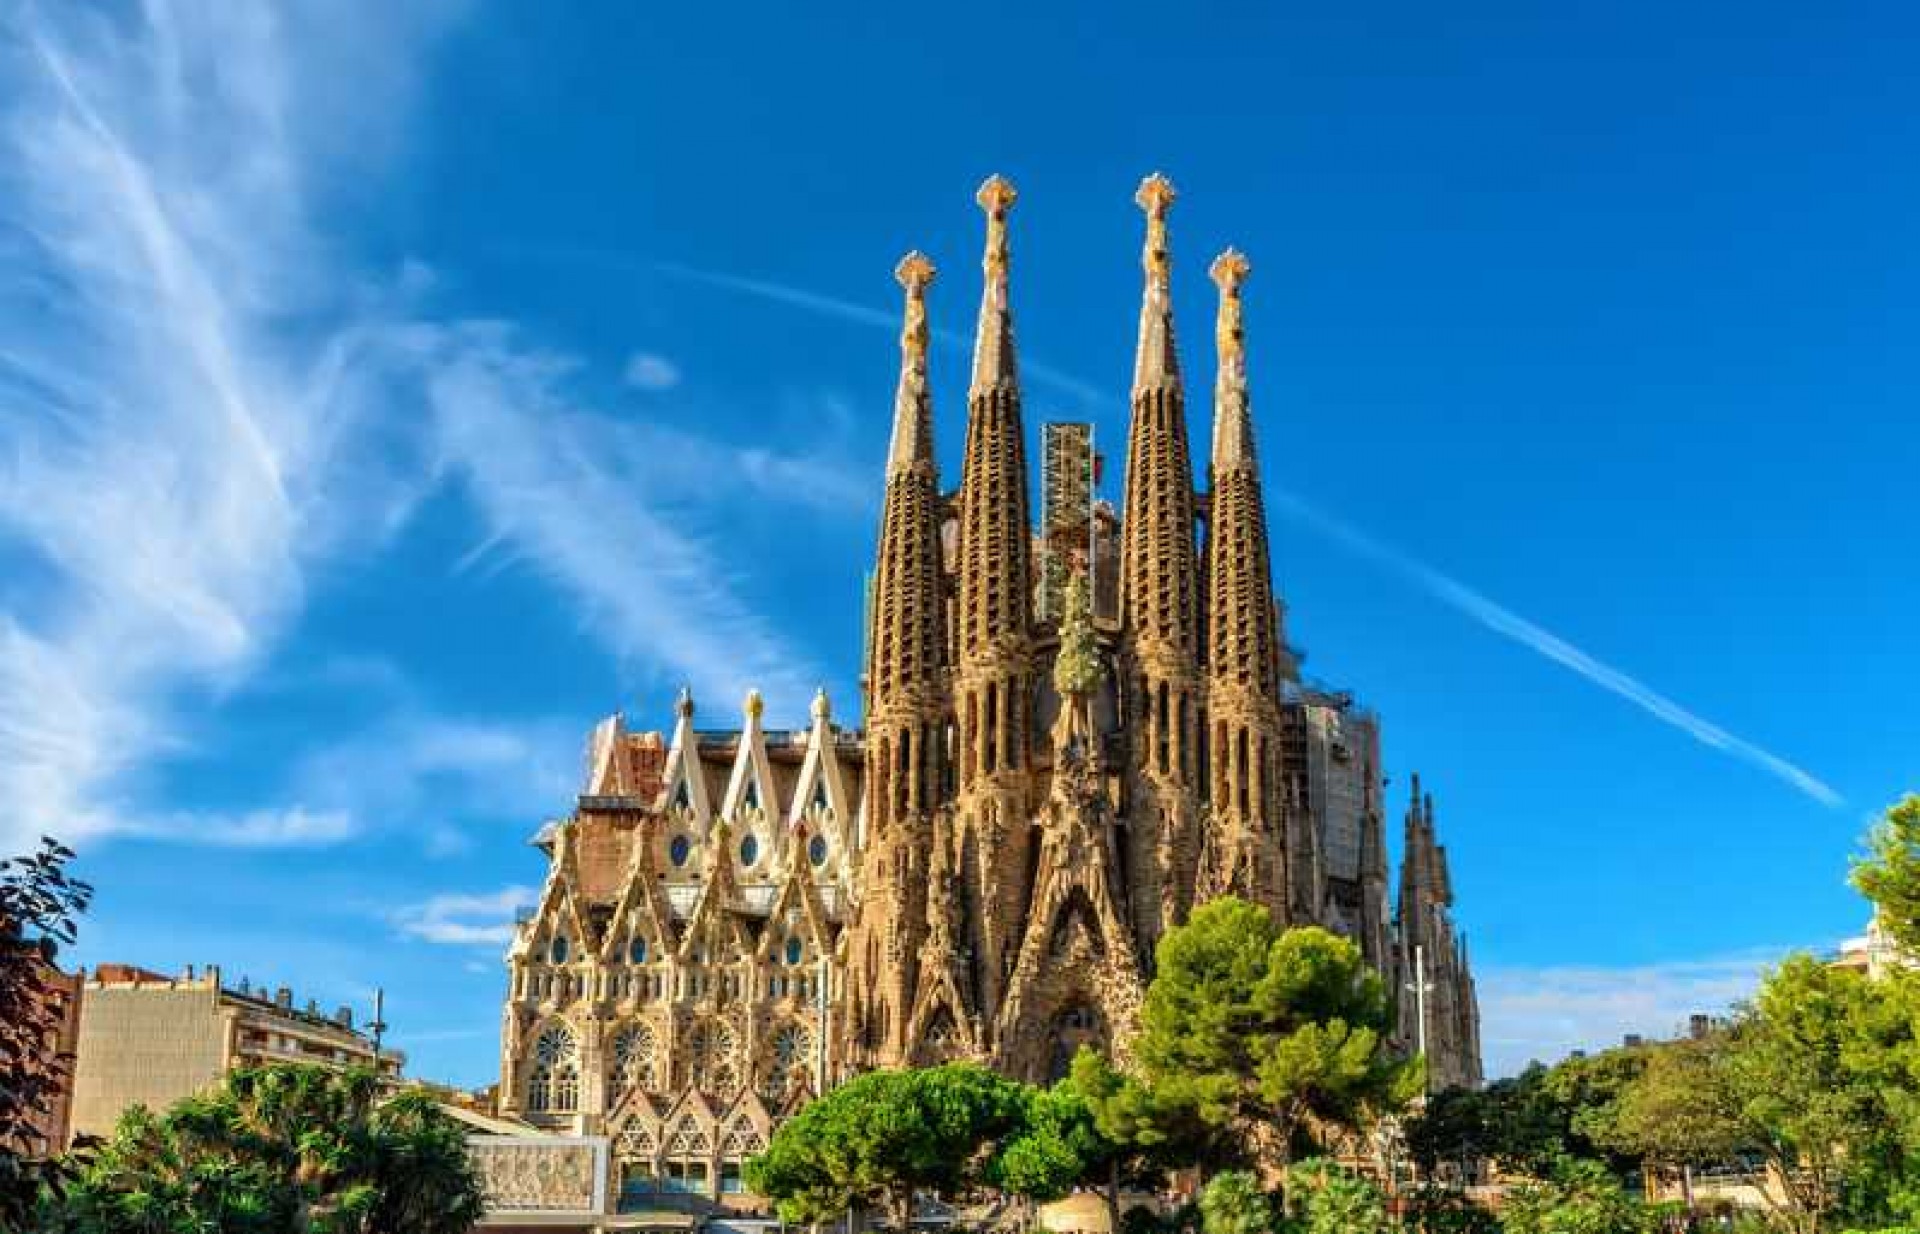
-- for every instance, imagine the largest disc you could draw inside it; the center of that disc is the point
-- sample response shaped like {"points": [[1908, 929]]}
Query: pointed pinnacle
{"points": [[1155, 362], [993, 356], [912, 418], [1232, 424]]}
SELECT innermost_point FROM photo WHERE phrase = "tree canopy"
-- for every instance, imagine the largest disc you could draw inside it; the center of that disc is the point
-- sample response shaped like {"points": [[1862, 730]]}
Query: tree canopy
{"points": [[40, 906], [1889, 874], [882, 1136], [275, 1149], [1267, 1035]]}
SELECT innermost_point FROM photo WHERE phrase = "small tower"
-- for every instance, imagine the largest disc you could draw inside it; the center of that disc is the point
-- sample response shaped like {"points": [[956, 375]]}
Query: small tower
{"points": [[1247, 832], [993, 676], [1159, 604], [906, 703]]}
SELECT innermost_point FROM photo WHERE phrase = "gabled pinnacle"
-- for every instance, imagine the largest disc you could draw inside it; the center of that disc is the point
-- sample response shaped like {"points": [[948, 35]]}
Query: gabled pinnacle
{"points": [[1155, 364], [1232, 419], [912, 406], [994, 365]]}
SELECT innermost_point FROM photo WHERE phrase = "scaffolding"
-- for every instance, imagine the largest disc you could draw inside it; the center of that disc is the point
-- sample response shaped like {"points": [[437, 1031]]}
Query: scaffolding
{"points": [[1069, 471]]}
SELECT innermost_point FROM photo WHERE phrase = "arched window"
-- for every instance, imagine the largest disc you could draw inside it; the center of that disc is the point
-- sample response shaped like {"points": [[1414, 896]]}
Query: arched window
{"points": [[796, 950], [679, 849], [559, 949], [817, 850], [637, 951], [711, 1055], [635, 1057], [787, 1068], [749, 851], [554, 1083]]}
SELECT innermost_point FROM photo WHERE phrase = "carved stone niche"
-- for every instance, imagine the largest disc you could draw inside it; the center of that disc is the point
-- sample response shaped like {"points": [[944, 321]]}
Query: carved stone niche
{"points": [[558, 1175]]}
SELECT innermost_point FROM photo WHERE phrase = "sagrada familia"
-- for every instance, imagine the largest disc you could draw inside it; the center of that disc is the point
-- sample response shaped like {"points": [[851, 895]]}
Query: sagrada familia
{"points": [[1074, 731]]}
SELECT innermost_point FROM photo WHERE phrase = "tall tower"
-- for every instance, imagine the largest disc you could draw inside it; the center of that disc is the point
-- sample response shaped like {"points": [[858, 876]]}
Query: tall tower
{"points": [[1159, 606], [1245, 849], [993, 679], [906, 702]]}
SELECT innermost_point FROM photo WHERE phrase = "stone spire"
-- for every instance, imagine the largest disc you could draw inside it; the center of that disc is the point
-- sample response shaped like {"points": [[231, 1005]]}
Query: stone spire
{"points": [[912, 441], [995, 589], [1243, 661], [904, 666], [992, 682], [1159, 601], [1156, 364], [994, 365]]}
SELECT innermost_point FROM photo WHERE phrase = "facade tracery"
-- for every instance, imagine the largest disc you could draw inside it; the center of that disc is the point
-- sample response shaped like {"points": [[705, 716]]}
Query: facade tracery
{"points": [[1055, 763]]}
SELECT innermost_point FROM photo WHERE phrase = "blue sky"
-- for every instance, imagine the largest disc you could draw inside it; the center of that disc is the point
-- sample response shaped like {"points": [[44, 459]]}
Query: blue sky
{"points": [[385, 399]]}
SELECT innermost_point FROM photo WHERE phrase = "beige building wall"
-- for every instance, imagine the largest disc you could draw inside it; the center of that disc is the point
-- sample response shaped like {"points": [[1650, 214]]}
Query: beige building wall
{"points": [[150, 1040], [147, 1045]]}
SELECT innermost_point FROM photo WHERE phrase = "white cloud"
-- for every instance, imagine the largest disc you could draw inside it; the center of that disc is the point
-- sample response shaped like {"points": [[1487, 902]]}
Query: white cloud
{"points": [[1543, 1013], [295, 827], [200, 400], [647, 371], [465, 920], [1512, 626]]}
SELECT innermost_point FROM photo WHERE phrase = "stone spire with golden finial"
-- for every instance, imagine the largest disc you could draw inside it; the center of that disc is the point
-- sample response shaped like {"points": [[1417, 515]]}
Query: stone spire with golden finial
{"points": [[994, 365], [993, 677], [1160, 602], [1155, 361], [912, 441], [1250, 804]]}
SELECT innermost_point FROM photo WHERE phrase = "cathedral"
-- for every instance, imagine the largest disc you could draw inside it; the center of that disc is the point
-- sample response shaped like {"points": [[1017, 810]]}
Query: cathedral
{"points": [[1072, 731]]}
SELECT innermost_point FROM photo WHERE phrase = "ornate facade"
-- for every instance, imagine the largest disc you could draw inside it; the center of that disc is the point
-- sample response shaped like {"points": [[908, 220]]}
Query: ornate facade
{"points": [[1048, 776]]}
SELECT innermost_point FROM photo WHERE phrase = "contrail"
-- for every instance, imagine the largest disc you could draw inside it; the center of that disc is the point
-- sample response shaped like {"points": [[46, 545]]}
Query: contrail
{"points": [[1510, 625], [847, 310]]}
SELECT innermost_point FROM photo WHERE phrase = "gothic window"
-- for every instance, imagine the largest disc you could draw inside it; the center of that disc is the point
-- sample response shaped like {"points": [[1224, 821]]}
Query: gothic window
{"points": [[679, 850], [749, 851], [786, 1072], [820, 794], [554, 1083], [817, 850], [710, 1054], [634, 1061], [559, 949], [750, 797], [796, 950], [681, 798], [637, 951]]}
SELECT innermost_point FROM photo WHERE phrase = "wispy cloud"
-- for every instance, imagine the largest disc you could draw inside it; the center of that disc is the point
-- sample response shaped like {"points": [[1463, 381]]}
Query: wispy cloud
{"points": [[648, 371], [202, 398], [1541, 1014], [1510, 625], [465, 920], [1084, 392]]}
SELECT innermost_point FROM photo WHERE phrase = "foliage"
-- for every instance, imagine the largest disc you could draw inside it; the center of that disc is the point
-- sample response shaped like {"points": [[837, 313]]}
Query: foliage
{"points": [[1583, 1197], [1322, 1198], [1442, 1210], [1529, 1123], [39, 907], [882, 1136], [1266, 1036], [1889, 874], [1233, 1203], [274, 1149], [1682, 1109]]}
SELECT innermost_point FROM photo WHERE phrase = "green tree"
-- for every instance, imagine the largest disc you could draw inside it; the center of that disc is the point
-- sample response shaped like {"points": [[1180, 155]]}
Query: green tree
{"points": [[1233, 1203], [1096, 1128], [1584, 1197], [1682, 1110], [1820, 1068], [1889, 874], [39, 907], [1265, 1036], [281, 1148], [1322, 1198], [881, 1137]]}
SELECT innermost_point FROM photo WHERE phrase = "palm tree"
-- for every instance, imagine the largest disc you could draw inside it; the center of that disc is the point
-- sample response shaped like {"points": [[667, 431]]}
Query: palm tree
{"points": [[283, 1148]]}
